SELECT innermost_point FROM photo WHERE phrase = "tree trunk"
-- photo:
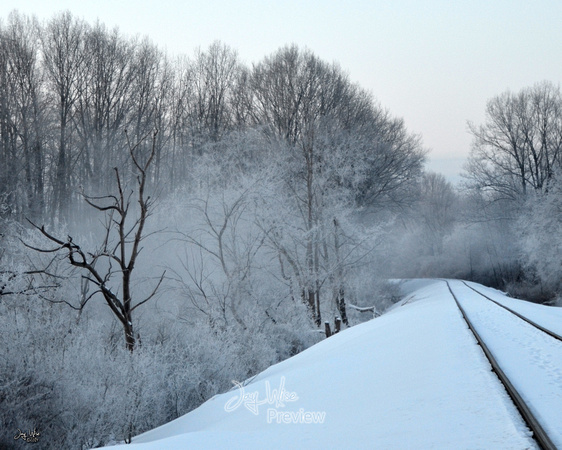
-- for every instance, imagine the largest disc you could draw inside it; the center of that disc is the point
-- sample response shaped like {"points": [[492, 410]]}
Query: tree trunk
{"points": [[129, 333]]}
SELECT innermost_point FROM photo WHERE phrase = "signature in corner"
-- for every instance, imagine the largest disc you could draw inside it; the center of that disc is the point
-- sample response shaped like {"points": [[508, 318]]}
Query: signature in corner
{"points": [[30, 436]]}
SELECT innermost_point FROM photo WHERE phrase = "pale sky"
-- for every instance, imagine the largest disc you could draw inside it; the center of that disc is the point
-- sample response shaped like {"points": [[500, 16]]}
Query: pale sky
{"points": [[434, 63]]}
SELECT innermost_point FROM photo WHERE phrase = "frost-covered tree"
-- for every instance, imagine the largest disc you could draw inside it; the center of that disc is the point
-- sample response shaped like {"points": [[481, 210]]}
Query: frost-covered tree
{"points": [[336, 144], [540, 227], [215, 72], [519, 146], [104, 105], [64, 59], [437, 209], [23, 112], [266, 174]]}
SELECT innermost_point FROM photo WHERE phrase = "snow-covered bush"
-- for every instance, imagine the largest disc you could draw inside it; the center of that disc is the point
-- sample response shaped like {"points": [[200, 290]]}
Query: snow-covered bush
{"points": [[540, 228], [67, 373]]}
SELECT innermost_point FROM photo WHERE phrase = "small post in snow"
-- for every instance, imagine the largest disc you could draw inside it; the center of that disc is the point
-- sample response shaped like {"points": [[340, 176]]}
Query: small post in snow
{"points": [[337, 320], [327, 328]]}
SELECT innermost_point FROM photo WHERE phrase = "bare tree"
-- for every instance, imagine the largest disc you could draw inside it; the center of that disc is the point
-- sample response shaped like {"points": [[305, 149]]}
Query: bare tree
{"points": [[120, 246], [8, 150], [64, 57], [104, 105], [437, 210], [519, 146], [336, 140], [215, 73], [293, 90], [227, 251], [26, 112]]}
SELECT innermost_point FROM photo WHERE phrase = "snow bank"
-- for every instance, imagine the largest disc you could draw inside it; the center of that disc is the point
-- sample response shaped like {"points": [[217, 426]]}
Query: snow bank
{"points": [[413, 378]]}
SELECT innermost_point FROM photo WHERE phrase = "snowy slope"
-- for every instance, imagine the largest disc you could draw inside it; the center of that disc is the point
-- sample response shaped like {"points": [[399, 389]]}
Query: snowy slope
{"points": [[413, 378]]}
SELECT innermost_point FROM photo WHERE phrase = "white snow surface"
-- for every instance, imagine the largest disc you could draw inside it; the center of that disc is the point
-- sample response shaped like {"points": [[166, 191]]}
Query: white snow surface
{"points": [[412, 378], [549, 317], [531, 359]]}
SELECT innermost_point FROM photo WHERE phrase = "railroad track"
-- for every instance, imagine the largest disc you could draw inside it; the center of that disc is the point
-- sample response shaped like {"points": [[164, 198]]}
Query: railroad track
{"points": [[536, 325], [535, 425]]}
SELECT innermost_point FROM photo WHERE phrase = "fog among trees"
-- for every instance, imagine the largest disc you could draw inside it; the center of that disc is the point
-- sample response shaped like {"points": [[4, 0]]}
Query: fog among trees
{"points": [[171, 223]]}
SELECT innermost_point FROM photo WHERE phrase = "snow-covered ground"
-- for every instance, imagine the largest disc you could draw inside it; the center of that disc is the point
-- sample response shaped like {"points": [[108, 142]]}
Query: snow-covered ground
{"points": [[413, 378], [549, 317], [531, 359]]}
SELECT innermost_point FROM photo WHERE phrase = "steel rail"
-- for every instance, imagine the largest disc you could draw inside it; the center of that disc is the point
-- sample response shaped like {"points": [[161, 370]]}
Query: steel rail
{"points": [[534, 425], [529, 321]]}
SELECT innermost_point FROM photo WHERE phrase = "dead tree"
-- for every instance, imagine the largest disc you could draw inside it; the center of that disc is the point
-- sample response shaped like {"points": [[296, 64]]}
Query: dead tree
{"points": [[120, 247]]}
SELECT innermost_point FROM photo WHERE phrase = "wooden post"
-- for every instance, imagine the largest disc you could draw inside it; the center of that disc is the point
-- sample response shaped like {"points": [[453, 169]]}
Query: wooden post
{"points": [[327, 327], [338, 324]]}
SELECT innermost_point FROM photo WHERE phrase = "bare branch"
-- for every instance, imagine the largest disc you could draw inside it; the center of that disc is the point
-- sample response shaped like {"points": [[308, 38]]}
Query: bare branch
{"points": [[372, 309], [152, 294]]}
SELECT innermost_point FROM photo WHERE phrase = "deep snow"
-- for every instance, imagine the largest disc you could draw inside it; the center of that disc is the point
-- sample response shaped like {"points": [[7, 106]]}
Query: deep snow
{"points": [[412, 378]]}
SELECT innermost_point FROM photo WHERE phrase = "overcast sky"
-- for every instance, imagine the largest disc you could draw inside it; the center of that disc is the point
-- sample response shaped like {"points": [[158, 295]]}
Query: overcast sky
{"points": [[434, 63]]}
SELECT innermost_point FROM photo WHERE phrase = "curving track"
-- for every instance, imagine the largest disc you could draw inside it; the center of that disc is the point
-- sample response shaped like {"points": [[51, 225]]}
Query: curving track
{"points": [[526, 357], [529, 321]]}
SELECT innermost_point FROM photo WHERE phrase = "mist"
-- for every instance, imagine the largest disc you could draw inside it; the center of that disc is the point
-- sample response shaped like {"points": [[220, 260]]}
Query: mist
{"points": [[169, 224]]}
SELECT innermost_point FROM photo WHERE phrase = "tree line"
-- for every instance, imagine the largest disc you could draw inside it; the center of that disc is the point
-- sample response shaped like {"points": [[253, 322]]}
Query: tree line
{"points": [[70, 89], [74, 94], [193, 196], [198, 196], [514, 175]]}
